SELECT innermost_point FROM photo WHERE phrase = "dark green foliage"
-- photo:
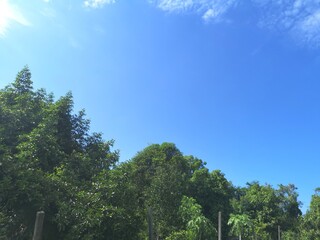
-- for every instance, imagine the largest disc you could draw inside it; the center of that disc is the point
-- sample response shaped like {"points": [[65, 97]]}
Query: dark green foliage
{"points": [[23, 82], [214, 193], [47, 157], [197, 226], [50, 161], [310, 227], [267, 208]]}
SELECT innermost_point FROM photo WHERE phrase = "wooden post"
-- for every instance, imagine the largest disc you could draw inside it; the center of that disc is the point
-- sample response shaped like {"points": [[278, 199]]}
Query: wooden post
{"points": [[37, 233], [279, 233], [219, 226], [150, 223]]}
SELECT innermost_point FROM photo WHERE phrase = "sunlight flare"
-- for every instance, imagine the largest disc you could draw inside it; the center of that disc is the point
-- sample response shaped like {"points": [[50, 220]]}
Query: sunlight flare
{"points": [[9, 14]]}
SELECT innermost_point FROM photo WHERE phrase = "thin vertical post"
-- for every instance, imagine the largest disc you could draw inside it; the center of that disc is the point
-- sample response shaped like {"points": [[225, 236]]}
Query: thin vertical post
{"points": [[279, 233], [37, 233], [219, 226], [150, 223]]}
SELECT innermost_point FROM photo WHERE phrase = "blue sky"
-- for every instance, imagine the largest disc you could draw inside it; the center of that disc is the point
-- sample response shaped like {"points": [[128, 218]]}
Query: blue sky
{"points": [[232, 82]]}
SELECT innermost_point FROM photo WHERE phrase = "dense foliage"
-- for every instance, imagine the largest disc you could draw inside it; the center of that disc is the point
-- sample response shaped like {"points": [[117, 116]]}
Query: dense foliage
{"points": [[50, 161]]}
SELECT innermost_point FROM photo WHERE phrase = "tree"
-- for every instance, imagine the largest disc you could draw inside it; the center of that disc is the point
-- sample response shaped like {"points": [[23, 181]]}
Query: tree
{"points": [[214, 193], [159, 174], [197, 226], [23, 82], [241, 225], [48, 158], [289, 204], [268, 207], [311, 222]]}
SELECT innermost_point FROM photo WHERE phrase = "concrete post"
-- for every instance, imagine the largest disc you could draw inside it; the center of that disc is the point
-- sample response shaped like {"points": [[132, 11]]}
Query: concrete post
{"points": [[37, 233], [150, 223], [219, 226]]}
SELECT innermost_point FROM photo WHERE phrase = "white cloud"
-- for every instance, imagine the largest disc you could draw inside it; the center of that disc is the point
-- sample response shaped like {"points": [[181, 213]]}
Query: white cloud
{"points": [[308, 29], [97, 3], [208, 9], [175, 5], [10, 14], [210, 14], [218, 9], [299, 18]]}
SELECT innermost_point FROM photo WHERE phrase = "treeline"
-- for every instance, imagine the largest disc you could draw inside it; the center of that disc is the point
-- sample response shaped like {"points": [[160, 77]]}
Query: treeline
{"points": [[50, 161]]}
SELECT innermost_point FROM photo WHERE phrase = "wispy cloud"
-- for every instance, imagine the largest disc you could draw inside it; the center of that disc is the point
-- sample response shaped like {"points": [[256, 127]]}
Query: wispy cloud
{"points": [[97, 3], [308, 29], [10, 14], [216, 9], [208, 9], [297, 18], [175, 5]]}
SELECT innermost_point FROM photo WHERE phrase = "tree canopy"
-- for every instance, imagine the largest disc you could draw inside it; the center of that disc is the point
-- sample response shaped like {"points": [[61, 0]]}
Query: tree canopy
{"points": [[51, 161]]}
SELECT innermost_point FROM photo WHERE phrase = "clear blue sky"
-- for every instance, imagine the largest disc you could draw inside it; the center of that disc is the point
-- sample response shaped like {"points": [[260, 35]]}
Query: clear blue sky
{"points": [[235, 83]]}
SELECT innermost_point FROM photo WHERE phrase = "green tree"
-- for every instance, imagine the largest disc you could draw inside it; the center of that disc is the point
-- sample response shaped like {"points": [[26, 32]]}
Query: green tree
{"points": [[268, 207], [48, 158], [196, 225], [311, 222], [241, 225], [160, 176], [290, 212], [23, 82], [214, 193]]}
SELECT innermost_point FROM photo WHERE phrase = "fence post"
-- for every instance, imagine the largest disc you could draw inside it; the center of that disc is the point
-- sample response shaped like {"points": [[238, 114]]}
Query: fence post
{"points": [[219, 226], [279, 233], [37, 233], [150, 223]]}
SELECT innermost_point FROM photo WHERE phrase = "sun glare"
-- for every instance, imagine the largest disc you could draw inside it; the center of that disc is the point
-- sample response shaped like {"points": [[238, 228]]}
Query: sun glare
{"points": [[5, 15], [9, 13]]}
